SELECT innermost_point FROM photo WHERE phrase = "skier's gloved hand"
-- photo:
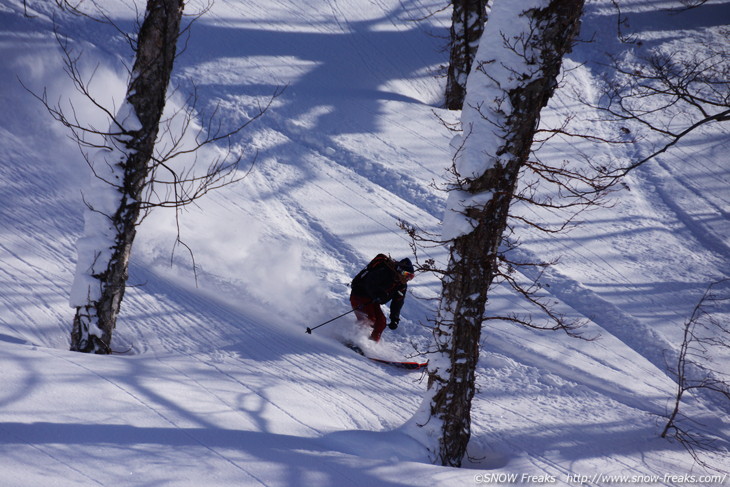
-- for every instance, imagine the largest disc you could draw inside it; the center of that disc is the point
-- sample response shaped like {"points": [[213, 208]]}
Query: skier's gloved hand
{"points": [[393, 324], [377, 301]]}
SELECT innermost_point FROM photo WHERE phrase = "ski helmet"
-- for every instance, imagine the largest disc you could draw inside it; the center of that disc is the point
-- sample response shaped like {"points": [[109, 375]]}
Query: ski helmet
{"points": [[405, 268]]}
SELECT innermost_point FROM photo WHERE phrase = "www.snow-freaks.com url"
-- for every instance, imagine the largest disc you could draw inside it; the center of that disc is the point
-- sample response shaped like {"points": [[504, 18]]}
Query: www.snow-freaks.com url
{"points": [[600, 479]]}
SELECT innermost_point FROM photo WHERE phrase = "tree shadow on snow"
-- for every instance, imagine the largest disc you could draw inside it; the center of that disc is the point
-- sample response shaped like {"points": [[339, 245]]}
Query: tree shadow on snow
{"points": [[252, 456]]}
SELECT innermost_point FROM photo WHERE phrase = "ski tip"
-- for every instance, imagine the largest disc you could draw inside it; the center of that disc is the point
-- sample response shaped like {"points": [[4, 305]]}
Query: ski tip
{"points": [[402, 365], [395, 363]]}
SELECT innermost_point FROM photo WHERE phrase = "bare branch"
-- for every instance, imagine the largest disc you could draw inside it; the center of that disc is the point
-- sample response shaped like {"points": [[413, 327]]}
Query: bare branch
{"points": [[704, 332], [669, 94]]}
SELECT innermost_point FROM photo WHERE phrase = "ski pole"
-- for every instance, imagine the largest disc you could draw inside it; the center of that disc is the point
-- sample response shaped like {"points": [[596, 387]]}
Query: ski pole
{"points": [[309, 330]]}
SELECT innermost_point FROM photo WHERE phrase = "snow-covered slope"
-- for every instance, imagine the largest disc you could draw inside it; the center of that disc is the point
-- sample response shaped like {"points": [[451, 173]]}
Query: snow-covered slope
{"points": [[220, 385]]}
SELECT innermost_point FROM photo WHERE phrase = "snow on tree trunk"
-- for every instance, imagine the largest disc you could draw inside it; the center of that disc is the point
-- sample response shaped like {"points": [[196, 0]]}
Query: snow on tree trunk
{"points": [[467, 23], [121, 172], [517, 64]]}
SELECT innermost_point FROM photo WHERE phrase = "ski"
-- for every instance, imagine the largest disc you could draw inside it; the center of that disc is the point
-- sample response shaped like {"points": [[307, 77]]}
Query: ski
{"points": [[408, 365]]}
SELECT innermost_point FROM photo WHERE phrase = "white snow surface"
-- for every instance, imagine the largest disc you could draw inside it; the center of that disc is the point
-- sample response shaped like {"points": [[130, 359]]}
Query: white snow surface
{"points": [[219, 385]]}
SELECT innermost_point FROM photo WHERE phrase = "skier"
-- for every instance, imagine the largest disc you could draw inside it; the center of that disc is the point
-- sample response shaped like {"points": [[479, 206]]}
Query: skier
{"points": [[381, 281]]}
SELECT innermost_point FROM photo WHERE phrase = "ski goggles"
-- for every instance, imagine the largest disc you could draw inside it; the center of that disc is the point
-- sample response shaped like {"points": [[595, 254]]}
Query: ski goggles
{"points": [[407, 276]]}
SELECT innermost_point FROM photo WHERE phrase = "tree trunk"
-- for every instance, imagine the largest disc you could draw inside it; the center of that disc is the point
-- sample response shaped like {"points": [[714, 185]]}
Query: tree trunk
{"points": [[467, 23], [102, 275], [500, 119]]}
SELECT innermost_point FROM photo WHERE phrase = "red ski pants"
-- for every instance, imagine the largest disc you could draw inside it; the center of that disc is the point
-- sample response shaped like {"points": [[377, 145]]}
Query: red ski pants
{"points": [[369, 312]]}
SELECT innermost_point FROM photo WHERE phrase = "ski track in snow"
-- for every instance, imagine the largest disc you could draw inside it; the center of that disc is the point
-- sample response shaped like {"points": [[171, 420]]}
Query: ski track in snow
{"points": [[701, 225]]}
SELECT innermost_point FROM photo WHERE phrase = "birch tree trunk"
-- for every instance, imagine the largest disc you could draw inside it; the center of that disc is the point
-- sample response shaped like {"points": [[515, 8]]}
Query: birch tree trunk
{"points": [[518, 61], [121, 171], [467, 23]]}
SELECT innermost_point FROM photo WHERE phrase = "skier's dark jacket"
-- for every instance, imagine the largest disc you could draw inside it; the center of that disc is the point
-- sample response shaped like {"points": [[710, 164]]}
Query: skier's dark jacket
{"points": [[380, 282]]}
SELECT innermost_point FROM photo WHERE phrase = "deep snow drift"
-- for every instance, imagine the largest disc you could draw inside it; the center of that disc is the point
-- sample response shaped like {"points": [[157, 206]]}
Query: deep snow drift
{"points": [[220, 385]]}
